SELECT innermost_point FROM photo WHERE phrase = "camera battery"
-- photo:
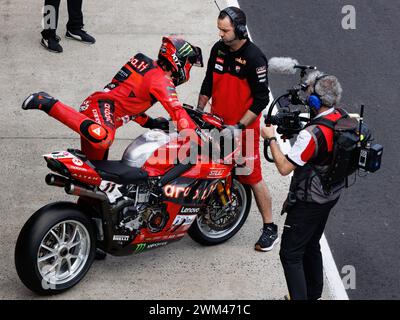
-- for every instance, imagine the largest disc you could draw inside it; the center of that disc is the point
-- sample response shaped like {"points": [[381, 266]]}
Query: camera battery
{"points": [[370, 158]]}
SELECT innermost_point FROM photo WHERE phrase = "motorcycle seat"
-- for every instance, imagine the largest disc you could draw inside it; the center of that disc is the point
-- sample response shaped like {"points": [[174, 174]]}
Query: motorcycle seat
{"points": [[118, 172]]}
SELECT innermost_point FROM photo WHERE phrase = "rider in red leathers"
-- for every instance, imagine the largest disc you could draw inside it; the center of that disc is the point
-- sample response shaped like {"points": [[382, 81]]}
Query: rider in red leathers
{"points": [[135, 88]]}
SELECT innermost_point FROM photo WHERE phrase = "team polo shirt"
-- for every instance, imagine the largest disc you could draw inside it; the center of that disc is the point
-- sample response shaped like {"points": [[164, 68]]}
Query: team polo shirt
{"points": [[236, 81]]}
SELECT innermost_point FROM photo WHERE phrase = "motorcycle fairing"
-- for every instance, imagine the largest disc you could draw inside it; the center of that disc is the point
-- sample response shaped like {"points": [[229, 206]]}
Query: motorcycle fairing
{"points": [[69, 165], [187, 191], [175, 229]]}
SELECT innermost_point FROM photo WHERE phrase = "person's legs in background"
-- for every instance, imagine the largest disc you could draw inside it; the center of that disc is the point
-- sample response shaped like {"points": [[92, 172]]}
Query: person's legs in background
{"points": [[291, 255], [297, 232], [263, 200], [269, 236], [75, 23], [312, 262], [50, 40], [300, 251], [75, 15], [251, 155]]}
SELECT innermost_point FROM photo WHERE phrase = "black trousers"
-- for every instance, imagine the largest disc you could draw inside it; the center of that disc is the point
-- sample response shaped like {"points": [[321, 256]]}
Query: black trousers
{"points": [[75, 15], [300, 251]]}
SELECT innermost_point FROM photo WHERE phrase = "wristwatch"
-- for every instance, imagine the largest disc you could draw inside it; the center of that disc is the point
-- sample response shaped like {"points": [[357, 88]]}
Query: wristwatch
{"points": [[267, 141]]}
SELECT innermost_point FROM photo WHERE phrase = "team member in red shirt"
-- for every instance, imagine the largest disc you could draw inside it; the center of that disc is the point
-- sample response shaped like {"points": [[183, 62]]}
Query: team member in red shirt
{"points": [[236, 81], [135, 88], [308, 205]]}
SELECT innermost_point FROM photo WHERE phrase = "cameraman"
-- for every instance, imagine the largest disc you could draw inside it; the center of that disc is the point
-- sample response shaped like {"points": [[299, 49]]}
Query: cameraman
{"points": [[307, 205]]}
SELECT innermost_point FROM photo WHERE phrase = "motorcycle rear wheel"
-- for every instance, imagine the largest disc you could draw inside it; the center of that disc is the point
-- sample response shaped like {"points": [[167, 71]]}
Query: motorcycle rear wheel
{"points": [[55, 248], [203, 232]]}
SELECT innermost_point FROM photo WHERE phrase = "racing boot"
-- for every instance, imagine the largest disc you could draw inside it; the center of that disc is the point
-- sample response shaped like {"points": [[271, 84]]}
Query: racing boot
{"points": [[41, 100]]}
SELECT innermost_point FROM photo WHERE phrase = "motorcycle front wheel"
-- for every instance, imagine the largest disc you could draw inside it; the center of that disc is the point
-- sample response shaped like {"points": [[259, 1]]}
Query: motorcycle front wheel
{"points": [[55, 248], [221, 223]]}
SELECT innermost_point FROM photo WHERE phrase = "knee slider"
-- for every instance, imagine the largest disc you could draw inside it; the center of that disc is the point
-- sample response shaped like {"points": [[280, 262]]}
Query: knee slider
{"points": [[93, 131]]}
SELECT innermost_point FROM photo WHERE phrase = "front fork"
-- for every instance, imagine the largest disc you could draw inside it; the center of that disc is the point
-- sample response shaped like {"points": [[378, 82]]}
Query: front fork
{"points": [[224, 191]]}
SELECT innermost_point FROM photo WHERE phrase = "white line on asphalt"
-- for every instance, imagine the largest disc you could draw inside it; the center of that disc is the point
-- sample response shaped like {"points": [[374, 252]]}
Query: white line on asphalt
{"points": [[335, 283]]}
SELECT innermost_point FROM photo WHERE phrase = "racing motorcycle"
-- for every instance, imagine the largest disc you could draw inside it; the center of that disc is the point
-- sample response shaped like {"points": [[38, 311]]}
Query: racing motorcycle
{"points": [[141, 202]]}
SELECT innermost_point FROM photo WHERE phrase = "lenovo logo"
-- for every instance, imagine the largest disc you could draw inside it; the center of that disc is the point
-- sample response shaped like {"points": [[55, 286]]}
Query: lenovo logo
{"points": [[189, 210]]}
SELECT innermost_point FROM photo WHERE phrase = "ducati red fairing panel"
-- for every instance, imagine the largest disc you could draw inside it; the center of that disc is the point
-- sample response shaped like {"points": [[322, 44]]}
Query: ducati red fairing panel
{"points": [[67, 164]]}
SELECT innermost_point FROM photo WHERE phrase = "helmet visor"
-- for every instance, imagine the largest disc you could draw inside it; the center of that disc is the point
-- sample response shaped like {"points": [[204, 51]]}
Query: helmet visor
{"points": [[196, 59]]}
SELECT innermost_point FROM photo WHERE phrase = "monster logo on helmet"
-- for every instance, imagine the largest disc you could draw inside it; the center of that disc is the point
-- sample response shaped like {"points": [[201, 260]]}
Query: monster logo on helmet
{"points": [[181, 56], [185, 50]]}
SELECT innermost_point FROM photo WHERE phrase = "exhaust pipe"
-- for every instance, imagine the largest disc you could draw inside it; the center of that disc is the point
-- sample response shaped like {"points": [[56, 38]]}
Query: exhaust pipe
{"points": [[79, 191], [56, 180]]}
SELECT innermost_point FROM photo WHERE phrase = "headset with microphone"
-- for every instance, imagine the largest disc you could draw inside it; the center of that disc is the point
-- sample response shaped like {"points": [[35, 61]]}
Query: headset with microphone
{"points": [[314, 100], [238, 22]]}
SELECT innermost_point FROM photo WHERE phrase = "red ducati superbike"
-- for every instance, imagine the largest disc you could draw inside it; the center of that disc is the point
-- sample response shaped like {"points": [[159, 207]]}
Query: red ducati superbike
{"points": [[144, 201]]}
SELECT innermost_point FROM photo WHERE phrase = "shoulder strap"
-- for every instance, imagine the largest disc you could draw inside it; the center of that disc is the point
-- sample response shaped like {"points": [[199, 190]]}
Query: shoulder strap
{"points": [[324, 122], [329, 123], [342, 112]]}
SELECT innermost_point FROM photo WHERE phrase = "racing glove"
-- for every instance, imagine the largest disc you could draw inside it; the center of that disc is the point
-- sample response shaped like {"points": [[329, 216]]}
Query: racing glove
{"points": [[157, 123]]}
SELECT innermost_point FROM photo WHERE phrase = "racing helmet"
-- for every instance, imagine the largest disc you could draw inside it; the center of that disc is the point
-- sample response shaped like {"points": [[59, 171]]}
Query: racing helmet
{"points": [[181, 56]]}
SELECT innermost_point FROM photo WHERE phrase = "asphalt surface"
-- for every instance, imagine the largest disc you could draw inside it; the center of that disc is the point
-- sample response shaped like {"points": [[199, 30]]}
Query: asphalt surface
{"points": [[363, 230]]}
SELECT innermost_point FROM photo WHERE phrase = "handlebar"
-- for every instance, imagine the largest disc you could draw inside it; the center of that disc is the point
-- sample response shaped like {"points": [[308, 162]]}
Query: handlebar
{"points": [[204, 119], [192, 108]]}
